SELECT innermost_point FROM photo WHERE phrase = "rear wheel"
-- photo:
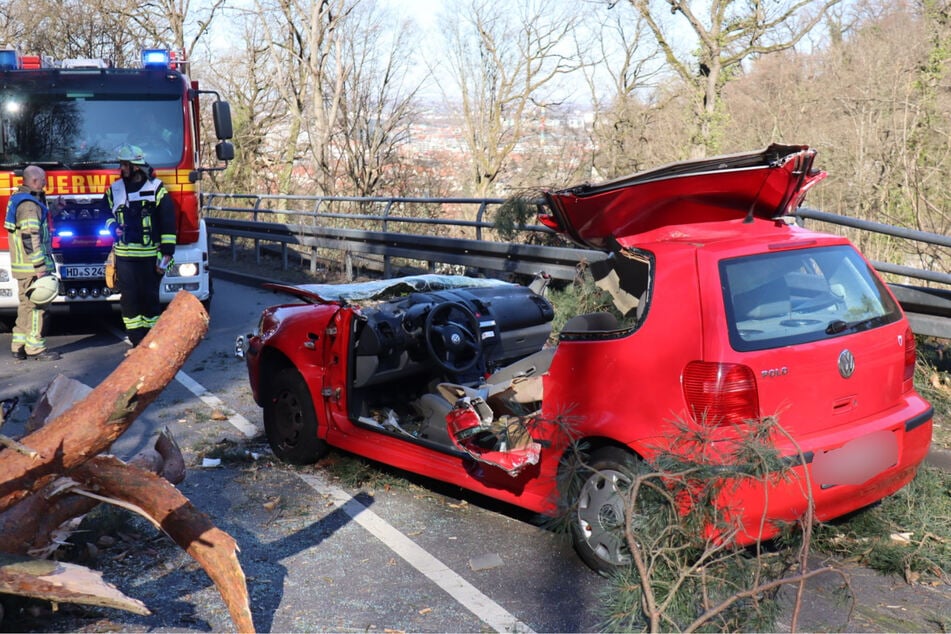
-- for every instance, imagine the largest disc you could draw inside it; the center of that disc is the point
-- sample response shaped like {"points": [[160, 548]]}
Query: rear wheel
{"points": [[290, 421], [597, 515], [603, 491]]}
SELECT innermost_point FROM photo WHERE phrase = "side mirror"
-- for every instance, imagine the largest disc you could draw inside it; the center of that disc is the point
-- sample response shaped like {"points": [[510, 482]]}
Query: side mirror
{"points": [[224, 151], [221, 113]]}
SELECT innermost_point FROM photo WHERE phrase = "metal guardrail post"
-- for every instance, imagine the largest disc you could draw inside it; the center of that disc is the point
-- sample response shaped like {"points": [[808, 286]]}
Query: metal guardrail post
{"points": [[387, 265], [257, 243]]}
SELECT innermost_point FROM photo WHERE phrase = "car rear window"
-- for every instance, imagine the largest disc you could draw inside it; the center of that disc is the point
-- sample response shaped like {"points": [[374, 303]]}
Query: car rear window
{"points": [[791, 297]]}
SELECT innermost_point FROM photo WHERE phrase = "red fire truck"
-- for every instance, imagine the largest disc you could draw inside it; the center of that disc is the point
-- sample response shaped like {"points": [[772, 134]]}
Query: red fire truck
{"points": [[69, 117]]}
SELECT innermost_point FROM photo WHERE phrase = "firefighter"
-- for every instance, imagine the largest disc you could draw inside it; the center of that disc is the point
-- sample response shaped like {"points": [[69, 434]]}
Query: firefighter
{"points": [[143, 224], [31, 260]]}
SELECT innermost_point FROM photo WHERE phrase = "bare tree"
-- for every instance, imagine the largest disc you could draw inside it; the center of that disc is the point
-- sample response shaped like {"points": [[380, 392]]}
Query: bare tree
{"points": [[380, 97], [729, 34], [179, 24], [308, 71], [243, 76], [106, 29], [343, 80], [623, 76], [504, 61], [876, 105], [67, 29]]}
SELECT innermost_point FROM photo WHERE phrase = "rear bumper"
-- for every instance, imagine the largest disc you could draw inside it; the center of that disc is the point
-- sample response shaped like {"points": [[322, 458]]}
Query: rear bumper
{"points": [[761, 509]]}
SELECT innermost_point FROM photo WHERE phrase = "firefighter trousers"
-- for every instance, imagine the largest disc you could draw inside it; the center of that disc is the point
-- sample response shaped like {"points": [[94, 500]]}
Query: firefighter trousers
{"points": [[28, 329], [139, 301]]}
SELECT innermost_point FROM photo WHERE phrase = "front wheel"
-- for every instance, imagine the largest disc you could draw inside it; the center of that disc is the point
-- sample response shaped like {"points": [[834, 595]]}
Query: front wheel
{"points": [[290, 421]]}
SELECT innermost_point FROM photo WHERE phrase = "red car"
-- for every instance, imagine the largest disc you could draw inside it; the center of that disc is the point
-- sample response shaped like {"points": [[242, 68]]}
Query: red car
{"points": [[730, 313]]}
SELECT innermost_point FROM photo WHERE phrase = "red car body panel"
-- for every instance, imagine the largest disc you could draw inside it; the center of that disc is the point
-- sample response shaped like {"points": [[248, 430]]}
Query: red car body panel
{"points": [[625, 388], [764, 184]]}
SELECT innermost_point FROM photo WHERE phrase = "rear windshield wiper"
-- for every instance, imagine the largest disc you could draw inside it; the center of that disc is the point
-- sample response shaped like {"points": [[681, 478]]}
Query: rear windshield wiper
{"points": [[837, 325]]}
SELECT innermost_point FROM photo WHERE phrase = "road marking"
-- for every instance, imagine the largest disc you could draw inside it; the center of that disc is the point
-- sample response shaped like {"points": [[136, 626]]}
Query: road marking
{"points": [[241, 423], [490, 612]]}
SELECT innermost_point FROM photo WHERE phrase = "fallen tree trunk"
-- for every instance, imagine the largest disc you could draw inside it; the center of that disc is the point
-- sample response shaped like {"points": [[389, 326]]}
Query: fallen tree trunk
{"points": [[61, 583], [155, 498], [31, 527], [91, 426], [56, 473]]}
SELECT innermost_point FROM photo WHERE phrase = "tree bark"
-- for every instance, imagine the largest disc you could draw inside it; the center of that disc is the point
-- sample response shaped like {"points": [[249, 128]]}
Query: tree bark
{"points": [[61, 583], [30, 527], [91, 426], [191, 529]]}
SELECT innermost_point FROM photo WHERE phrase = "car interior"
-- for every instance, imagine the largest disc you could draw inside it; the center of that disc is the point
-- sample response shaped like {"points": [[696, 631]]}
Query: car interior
{"points": [[483, 343], [415, 357]]}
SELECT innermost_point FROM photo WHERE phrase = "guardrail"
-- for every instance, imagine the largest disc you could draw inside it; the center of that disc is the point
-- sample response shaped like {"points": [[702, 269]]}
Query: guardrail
{"points": [[458, 231]]}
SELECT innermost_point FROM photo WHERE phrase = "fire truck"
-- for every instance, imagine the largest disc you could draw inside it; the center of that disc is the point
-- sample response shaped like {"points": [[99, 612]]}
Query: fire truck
{"points": [[69, 117]]}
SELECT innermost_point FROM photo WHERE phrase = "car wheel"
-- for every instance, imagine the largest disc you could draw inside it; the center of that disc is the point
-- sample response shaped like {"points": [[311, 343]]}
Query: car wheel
{"points": [[290, 421], [602, 487], [597, 512]]}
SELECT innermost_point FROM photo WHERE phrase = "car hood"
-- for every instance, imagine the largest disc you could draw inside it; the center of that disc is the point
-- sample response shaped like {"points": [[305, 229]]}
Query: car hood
{"points": [[380, 289], [764, 184]]}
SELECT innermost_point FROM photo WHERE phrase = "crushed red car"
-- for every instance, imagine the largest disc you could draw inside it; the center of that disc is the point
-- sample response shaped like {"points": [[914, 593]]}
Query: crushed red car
{"points": [[730, 313]]}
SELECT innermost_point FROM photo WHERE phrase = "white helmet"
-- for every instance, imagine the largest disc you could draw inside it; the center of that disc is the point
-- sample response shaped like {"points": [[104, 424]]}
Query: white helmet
{"points": [[43, 290]]}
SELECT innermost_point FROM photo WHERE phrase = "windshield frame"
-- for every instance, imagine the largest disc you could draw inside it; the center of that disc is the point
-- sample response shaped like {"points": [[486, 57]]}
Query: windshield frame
{"points": [[78, 119]]}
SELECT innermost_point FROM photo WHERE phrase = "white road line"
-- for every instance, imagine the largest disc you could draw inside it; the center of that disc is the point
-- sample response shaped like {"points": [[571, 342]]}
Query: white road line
{"points": [[458, 588], [241, 423]]}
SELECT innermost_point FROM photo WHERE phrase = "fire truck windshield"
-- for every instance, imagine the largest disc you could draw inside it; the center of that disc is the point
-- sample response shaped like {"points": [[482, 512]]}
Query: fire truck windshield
{"points": [[82, 129]]}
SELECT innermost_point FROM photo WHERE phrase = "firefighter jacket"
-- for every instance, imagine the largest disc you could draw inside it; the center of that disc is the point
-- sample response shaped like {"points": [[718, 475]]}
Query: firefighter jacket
{"points": [[31, 244], [146, 214]]}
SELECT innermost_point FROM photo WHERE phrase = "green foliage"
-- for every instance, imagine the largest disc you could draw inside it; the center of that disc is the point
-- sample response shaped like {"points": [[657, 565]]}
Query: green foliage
{"points": [[578, 298], [686, 575], [907, 534], [513, 215]]}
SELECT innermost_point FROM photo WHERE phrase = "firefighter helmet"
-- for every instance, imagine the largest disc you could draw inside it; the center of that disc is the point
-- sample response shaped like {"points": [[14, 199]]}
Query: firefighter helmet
{"points": [[43, 290], [131, 154]]}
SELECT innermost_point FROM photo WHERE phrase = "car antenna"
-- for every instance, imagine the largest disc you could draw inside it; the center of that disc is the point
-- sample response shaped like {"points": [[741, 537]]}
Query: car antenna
{"points": [[749, 213]]}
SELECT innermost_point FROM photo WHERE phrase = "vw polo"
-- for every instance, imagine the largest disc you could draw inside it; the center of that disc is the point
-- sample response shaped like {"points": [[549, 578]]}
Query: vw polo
{"points": [[729, 313]]}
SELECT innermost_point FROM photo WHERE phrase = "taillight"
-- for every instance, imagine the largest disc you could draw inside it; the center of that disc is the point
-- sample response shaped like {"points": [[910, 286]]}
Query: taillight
{"points": [[720, 393], [549, 221], [910, 359]]}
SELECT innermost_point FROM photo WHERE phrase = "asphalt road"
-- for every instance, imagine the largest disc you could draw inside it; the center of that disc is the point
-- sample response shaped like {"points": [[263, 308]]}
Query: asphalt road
{"points": [[402, 554]]}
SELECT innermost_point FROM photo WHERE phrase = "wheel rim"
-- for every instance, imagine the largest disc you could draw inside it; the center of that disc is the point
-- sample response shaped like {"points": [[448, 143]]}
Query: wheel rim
{"points": [[601, 515], [288, 418]]}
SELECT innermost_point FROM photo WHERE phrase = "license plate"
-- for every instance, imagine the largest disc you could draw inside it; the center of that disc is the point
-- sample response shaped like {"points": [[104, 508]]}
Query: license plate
{"points": [[857, 461], [82, 271]]}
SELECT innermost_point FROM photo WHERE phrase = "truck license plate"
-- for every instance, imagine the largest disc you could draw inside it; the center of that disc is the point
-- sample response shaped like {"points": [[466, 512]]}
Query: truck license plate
{"points": [[82, 271]]}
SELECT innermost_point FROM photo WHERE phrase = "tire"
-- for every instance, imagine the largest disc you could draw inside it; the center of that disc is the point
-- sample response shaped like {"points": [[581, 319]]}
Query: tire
{"points": [[597, 509], [290, 421]]}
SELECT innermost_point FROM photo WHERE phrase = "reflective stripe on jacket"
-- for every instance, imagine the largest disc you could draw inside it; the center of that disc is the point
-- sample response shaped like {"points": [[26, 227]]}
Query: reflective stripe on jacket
{"points": [[146, 217], [31, 245]]}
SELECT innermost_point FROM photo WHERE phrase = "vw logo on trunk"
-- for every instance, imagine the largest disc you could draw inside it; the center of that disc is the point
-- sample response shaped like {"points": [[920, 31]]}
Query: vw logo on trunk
{"points": [[846, 364]]}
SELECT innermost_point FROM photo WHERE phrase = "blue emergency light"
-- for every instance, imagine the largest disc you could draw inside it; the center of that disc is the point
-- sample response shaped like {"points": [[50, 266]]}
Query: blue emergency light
{"points": [[156, 58], [9, 59]]}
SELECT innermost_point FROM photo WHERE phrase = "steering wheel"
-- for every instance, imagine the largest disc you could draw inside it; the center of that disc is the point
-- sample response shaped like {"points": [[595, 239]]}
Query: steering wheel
{"points": [[452, 337]]}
